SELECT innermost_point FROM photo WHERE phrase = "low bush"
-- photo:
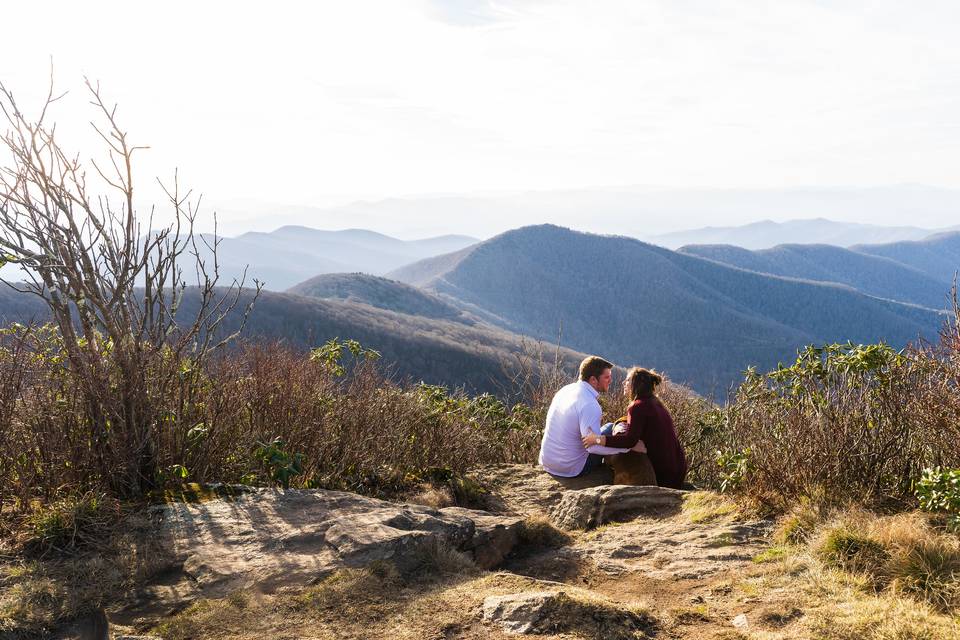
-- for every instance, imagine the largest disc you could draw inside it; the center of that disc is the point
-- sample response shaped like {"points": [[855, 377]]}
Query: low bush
{"points": [[844, 424], [71, 524], [262, 414], [929, 570], [939, 490], [851, 548]]}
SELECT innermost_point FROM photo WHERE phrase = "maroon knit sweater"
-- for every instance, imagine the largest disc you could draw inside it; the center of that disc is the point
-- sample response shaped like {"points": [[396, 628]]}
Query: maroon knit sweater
{"points": [[649, 420]]}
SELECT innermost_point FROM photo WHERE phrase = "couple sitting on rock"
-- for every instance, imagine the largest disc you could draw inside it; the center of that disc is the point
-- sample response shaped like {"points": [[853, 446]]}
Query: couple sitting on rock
{"points": [[641, 448]]}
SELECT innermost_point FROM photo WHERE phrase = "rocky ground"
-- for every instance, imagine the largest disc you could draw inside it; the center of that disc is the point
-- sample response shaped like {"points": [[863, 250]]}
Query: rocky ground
{"points": [[555, 560]]}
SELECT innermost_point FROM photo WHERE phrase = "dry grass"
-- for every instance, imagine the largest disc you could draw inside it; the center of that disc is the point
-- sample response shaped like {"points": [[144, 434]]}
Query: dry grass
{"points": [[861, 577], [848, 544], [798, 524], [903, 553], [537, 533], [375, 603], [882, 619], [708, 506], [431, 495], [38, 595]]}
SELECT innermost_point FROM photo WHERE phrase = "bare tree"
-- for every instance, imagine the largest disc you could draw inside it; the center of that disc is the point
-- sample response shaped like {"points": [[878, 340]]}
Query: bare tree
{"points": [[112, 282]]}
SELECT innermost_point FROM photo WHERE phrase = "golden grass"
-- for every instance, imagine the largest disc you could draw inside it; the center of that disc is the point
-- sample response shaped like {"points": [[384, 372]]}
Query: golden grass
{"points": [[882, 619], [433, 496], [836, 588], [798, 524], [708, 506], [38, 595], [538, 532]]}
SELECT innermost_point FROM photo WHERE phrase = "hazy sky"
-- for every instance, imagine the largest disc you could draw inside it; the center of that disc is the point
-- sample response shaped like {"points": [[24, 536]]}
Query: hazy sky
{"points": [[312, 103]]}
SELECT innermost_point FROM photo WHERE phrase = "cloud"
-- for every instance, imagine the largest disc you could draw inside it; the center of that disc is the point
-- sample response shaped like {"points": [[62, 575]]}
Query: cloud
{"points": [[467, 13]]}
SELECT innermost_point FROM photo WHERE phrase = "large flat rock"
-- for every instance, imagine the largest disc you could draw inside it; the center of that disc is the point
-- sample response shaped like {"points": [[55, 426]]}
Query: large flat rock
{"points": [[272, 538], [573, 503]]}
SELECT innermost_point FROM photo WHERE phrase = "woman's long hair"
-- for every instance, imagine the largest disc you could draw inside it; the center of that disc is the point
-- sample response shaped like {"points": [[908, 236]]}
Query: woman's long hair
{"points": [[642, 383]]}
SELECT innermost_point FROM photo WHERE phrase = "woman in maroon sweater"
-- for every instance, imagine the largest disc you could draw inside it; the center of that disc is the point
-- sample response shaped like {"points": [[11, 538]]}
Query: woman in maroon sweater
{"points": [[648, 420]]}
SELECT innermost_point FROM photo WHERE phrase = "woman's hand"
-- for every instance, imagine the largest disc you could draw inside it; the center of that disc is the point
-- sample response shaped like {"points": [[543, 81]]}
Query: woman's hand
{"points": [[591, 439], [639, 447]]}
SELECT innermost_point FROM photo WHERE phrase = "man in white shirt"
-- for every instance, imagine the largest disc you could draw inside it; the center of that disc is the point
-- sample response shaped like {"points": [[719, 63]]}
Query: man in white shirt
{"points": [[573, 414]]}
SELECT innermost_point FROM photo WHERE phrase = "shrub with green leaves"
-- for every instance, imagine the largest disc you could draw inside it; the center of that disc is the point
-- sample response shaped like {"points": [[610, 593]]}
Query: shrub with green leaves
{"points": [[735, 466], [282, 465], [844, 422], [939, 490]]}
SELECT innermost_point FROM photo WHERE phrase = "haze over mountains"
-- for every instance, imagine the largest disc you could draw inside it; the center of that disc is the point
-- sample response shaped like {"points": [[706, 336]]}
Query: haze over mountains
{"points": [[636, 211], [437, 351], [291, 254], [767, 233]]}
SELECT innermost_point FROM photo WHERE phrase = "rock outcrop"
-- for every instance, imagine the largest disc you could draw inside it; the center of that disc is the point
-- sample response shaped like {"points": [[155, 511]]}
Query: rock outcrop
{"points": [[519, 612], [272, 538], [587, 508], [557, 612]]}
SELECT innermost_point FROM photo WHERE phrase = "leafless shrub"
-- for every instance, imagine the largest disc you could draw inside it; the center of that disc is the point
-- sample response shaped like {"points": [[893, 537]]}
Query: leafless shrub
{"points": [[112, 282]]}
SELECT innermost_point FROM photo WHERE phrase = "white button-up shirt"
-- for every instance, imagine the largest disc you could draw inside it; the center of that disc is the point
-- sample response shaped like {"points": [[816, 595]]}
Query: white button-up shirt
{"points": [[573, 414]]}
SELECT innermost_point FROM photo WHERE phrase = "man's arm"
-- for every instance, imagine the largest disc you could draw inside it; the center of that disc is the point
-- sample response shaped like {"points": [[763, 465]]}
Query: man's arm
{"points": [[590, 415]]}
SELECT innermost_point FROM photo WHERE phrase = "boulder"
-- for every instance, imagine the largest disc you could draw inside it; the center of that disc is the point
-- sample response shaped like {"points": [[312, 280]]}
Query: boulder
{"points": [[557, 612], [588, 508], [494, 537], [519, 612]]}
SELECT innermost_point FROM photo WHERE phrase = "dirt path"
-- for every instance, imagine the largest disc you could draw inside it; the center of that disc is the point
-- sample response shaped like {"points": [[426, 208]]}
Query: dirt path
{"points": [[694, 569], [691, 575]]}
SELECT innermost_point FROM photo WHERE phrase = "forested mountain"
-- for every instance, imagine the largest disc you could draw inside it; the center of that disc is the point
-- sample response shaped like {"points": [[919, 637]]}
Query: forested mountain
{"points": [[871, 274], [700, 321], [379, 292], [434, 350], [938, 255], [767, 233], [289, 255]]}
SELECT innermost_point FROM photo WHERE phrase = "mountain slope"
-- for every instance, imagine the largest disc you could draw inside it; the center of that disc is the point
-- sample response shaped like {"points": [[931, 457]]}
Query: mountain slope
{"points": [[874, 275], [380, 293], [434, 350], [700, 321], [938, 255]]}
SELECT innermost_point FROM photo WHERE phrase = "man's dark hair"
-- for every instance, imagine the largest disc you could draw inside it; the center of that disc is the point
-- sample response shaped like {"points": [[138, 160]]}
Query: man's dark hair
{"points": [[593, 366]]}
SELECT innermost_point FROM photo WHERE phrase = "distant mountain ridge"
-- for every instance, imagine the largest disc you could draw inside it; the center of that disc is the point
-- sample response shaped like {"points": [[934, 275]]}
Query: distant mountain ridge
{"points": [[938, 255], [640, 211], [767, 234], [701, 321], [876, 275], [289, 255]]}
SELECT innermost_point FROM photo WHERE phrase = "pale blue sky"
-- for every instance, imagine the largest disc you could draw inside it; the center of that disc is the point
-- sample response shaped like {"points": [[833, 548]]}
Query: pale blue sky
{"points": [[312, 103]]}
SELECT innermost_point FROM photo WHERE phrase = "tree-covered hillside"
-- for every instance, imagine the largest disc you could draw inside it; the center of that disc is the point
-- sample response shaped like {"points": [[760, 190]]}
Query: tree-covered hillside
{"points": [[938, 256], [433, 350], [700, 321], [379, 292], [872, 274]]}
